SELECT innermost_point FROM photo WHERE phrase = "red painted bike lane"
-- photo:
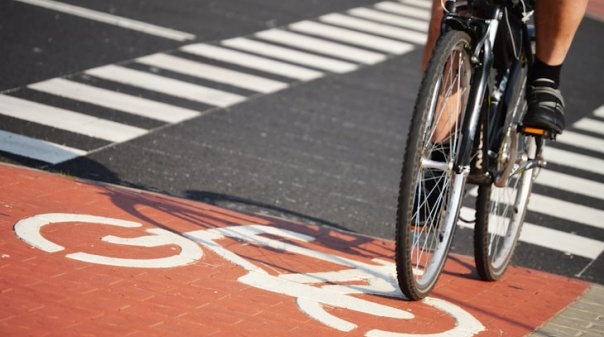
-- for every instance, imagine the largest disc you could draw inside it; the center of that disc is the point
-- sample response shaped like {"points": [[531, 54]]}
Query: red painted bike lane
{"points": [[85, 259]]}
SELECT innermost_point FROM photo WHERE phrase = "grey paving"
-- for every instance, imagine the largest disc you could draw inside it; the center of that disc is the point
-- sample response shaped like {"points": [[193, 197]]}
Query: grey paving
{"points": [[584, 318]]}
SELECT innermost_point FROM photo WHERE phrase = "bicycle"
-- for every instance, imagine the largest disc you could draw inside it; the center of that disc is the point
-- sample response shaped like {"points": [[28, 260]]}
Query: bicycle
{"points": [[466, 130]]}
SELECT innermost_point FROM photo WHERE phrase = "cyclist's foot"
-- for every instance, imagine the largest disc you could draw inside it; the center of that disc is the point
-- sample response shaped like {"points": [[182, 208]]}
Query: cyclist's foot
{"points": [[545, 107]]}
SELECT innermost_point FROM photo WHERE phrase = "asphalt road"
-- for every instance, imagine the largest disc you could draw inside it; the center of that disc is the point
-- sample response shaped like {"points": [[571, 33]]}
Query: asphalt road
{"points": [[324, 151]]}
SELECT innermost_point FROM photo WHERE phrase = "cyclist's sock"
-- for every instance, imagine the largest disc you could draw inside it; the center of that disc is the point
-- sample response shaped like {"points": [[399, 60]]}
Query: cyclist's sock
{"points": [[543, 74]]}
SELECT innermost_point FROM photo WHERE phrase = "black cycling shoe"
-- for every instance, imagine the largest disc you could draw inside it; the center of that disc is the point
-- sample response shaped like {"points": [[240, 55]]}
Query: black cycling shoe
{"points": [[545, 107]]}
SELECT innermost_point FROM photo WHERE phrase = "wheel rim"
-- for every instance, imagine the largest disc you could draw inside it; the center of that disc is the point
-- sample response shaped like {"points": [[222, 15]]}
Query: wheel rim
{"points": [[507, 209], [431, 228]]}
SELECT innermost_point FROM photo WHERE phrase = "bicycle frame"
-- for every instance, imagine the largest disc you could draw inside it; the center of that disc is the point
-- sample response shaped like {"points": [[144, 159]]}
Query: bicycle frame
{"points": [[486, 97]]}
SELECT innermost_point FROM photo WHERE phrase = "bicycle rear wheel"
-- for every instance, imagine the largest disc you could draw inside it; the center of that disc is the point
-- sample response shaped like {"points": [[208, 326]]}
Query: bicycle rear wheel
{"points": [[500, 214], [430, 191]]}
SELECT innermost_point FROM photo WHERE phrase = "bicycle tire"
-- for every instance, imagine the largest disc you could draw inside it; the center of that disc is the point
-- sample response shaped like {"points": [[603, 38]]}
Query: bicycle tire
{"points": [[500, 213], [424, 235]]}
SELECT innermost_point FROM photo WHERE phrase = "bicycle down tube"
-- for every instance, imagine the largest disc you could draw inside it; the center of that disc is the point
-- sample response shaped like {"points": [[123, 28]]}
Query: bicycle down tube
{"points": [[479, 82]]}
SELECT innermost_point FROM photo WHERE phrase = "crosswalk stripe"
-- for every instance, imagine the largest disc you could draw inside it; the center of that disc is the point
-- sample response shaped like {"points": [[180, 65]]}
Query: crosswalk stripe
{"points": [[349, 36], [67, 120], [584, 141], [290, 55], [253, 62], [561, 241], [114, 100], [166, 85], [418, 3], [570, 183], [321, 46], [579, 161], [591, 125], [566, 210], [599, 112], [562, 209], [549, 238], [36, 148], [401, 9], [374, 28], [213, 73], [390, 19]]}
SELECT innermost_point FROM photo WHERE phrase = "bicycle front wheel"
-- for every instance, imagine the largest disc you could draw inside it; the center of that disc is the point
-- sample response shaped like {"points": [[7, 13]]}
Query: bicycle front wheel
{"points": [[430, 191]]}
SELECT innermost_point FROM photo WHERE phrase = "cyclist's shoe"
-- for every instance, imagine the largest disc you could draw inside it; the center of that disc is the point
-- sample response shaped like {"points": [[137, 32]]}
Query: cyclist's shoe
{"points": [[545, 108]]}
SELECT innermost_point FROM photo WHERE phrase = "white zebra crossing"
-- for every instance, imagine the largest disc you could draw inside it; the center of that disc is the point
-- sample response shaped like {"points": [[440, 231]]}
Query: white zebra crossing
{"points": [[166, 85], [550, 238], [67, 120], [114, 100], [401, 9], [353, 37], [571, 184], [359, 45], [290, 55], [253, 61], [339, 46], [375, 28], [213, 73], [338, 50], [391, 19], [579, 161]]}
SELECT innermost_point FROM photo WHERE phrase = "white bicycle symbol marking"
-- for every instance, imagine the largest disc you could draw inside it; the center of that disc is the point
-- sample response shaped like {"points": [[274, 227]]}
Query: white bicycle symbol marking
{"points": [[311, 299]]}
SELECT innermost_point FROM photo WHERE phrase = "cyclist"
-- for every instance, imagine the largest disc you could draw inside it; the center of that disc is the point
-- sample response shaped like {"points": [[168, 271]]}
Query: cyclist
{"points": [[556, 22]]}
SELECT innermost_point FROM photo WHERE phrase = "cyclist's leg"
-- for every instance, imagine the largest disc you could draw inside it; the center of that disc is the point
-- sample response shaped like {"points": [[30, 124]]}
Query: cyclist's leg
{"points": [[433, 32], [556, 23]]}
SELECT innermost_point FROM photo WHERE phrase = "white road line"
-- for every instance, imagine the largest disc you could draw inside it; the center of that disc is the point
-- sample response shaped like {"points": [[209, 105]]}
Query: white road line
{"points": [[352, 37], [418, 3], [561, 241], [574, 160], [37, 149], [591, 125], [599, 112], [374, 28], [166, 85], [566, 210], [562, 209], [321, 46], [290, 55], [584, 141], [571, 183], [253, 62], [213, 73], [391, 19], [67, 120], [114, 100], [550, 238], [400, 9], [112, 19]]}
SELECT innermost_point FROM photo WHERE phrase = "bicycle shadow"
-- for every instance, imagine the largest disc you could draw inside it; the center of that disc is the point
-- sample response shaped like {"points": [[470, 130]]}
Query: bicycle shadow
{"points": [[197, 209]]}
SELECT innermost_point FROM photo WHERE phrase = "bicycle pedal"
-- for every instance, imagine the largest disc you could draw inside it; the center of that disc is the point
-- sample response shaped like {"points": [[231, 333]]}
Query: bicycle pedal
{"points": [[537, 132]]}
